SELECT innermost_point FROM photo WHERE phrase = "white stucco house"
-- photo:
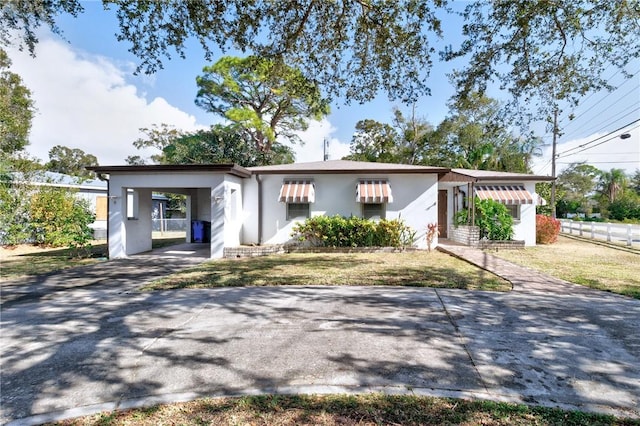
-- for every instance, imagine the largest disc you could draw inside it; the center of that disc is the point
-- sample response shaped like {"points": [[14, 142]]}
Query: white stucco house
{"points": [[260, 205]]}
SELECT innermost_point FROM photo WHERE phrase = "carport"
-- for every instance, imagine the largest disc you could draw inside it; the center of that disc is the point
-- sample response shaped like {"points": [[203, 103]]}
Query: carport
{"points": [[213, 193]]}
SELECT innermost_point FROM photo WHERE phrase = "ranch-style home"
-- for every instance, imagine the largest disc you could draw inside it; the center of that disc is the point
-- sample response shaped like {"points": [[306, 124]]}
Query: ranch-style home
{"points": [[260, 205]]}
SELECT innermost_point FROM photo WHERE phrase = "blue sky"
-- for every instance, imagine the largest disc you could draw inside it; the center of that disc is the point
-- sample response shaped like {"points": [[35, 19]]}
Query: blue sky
{"points": [[88, 98]]}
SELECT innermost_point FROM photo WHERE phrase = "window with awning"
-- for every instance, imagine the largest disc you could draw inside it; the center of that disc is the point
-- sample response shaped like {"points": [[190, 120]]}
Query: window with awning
{"points": [[373, 192], [505, 194], [297, 191]]}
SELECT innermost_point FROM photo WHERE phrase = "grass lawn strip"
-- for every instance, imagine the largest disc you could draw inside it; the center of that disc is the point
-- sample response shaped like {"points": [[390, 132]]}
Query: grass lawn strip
{"points": [[416, 269], [25, 260], [329, 410], [582, 262]]}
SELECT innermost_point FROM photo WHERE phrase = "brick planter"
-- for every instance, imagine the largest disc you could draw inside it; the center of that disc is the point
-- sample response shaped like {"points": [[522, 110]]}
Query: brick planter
{"points": [[470, 236], [500, 245], [252, 251], [255, 251], [298, 249], [465, 234]]}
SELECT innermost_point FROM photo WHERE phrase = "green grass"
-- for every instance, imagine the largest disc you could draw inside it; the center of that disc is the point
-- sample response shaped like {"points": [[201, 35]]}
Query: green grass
{"points": [[586, 263], [25, 260], [417, 269], [368, 409]]}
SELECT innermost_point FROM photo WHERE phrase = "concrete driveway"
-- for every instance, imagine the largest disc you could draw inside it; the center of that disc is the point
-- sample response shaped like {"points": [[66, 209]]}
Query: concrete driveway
{"points": [[92, 348]]}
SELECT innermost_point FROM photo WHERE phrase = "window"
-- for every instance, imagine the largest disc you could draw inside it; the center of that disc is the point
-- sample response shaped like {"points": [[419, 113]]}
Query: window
{"points": [[132, 204], [101, 208], [297, 211], [514, 210], [373, 211]]}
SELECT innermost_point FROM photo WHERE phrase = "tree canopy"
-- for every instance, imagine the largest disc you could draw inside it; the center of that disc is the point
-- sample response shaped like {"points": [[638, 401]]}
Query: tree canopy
{"points": [[374, 142], [263, 98], [358, 48], [218, 144], [223, 144], [16, 109], [472, 136], [543, 52], [71, 161]]}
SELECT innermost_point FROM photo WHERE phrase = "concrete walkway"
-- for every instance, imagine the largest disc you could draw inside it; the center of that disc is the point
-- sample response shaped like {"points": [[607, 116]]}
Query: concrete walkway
{"points": [[105, 346]]}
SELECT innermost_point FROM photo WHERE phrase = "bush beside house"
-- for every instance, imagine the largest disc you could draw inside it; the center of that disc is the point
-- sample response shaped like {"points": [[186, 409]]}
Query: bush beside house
{"points": [[340, 231], [44, 215], [547, 229], [491, 217]]}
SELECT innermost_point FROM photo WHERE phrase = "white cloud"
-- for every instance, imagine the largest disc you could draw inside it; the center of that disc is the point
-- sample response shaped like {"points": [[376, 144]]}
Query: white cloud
{"points": [[613, 152], [314, 137], [84, 101]]}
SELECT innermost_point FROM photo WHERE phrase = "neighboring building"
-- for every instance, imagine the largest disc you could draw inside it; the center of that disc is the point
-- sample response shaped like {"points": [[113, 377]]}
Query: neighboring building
{"points": [[260, 205], [95, 192]]}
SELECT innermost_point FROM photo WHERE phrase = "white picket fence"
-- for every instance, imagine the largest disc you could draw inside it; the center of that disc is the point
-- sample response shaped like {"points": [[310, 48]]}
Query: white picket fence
{"points": [[618, 233]]}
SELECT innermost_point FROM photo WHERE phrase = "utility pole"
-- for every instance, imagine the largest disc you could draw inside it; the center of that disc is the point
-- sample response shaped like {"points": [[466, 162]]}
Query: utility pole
{"points": [[553, 163], [325, 145]]}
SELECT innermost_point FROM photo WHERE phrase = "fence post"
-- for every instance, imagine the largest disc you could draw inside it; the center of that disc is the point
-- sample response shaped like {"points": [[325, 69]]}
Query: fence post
{"points": [[629, 239], [593, 237], [608, 232], [580, 225]]}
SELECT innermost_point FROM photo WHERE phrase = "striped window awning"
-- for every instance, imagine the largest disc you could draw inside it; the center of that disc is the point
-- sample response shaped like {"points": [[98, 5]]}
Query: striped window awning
{"points": [[297, 191], [373, 192], [505, 194]]}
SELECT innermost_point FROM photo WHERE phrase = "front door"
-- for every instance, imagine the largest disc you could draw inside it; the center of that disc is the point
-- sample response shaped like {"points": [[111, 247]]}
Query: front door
{"points": [[442, 212]]}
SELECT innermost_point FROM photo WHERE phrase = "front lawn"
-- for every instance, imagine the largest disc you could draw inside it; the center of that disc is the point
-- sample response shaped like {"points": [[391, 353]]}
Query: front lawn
{"points": [[418, 269], [582, 262], [27, 259], [330, 410]]}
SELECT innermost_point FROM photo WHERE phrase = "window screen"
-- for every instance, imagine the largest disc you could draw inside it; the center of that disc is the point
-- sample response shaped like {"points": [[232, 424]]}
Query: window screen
{"points": [[373, 211], [297, 211]]}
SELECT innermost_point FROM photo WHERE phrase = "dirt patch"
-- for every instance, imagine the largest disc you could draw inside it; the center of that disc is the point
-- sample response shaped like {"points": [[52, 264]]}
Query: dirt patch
{"points": [[22, 249]]}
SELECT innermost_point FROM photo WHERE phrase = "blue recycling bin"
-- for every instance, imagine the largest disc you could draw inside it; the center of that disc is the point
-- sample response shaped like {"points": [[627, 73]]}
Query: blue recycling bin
{"points": [[197, 231]]}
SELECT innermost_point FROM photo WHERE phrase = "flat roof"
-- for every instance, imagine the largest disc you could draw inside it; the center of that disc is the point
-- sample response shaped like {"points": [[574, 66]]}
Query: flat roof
{"points": [[229, 168], [469, 175]]}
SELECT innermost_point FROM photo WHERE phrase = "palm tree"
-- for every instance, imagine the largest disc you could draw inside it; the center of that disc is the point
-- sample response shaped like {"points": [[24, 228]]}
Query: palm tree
{"points": [[612, 184]]}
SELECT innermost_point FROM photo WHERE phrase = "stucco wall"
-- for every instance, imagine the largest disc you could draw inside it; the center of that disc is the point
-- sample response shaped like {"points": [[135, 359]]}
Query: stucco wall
{"points": [[524, 229], [131, 236], [232, 210], [414, 201]]}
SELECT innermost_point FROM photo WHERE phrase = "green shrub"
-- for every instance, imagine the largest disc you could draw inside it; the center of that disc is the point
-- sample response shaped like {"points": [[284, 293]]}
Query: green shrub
{"points": [[625, 207], [340, 231], [14, 216], [461, 218], [58, 218], [547, 229], [494, 220]]}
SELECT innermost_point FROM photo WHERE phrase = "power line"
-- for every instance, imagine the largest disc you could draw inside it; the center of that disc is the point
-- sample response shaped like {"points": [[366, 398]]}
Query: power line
{"points": [[602, 162], [599, 103], [589, 129], [598, 144], [605, 121], [584, 101], [598, 138]]}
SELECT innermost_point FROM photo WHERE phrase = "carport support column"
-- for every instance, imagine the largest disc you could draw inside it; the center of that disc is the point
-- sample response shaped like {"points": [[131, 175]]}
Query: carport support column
{"points": [[117, 235], [188, 218], [218, 195]]}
